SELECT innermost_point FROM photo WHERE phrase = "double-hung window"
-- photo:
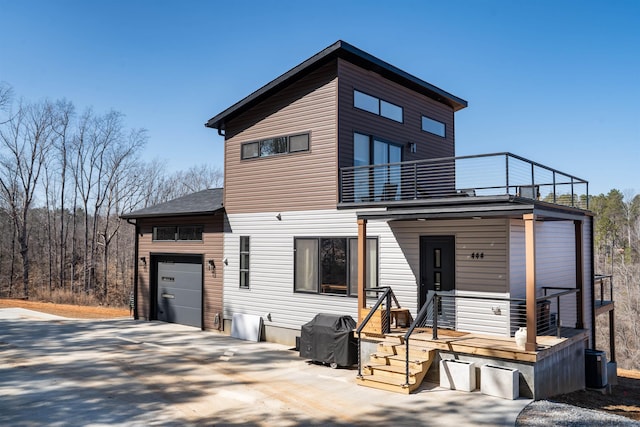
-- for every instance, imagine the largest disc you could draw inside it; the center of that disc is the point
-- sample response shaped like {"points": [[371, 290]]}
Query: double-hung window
{"points": [[329, 265]]}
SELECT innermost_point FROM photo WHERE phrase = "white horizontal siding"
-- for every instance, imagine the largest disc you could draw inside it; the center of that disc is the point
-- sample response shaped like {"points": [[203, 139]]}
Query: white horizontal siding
{"points": [[479, 316], [271, 266], [555, 264]]}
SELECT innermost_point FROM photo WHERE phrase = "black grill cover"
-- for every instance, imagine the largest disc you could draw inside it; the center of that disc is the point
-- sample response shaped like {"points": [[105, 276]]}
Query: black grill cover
{"points": [[329, 338]]}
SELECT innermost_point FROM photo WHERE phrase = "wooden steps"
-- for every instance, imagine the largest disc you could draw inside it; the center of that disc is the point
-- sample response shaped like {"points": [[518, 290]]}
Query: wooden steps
{"points": [[386, 369]]}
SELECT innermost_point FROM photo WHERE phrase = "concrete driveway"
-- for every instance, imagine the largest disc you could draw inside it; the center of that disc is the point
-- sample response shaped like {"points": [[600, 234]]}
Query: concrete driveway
{"points": [[62, 372]]}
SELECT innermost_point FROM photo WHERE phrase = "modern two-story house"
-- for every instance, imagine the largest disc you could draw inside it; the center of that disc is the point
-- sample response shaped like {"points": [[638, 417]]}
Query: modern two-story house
{"points": [[342, 193]]}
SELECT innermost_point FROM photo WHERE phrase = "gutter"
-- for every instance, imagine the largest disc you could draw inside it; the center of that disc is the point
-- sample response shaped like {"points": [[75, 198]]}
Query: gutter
{"points": [[135, 270]]}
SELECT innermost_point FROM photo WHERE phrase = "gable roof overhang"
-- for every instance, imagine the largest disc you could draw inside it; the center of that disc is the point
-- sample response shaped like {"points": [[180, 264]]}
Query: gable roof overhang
{"points": [[344, 50], [483, 207], [205, 202]]}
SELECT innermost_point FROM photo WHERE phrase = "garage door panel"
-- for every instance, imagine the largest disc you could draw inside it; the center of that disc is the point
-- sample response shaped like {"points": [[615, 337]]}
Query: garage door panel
{"points": [[180, 292]]}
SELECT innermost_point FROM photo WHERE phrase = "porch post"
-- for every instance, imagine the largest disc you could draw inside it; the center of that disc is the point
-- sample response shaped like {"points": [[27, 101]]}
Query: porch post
{"points": [[579, 275], [530, 254], [362, 267]]}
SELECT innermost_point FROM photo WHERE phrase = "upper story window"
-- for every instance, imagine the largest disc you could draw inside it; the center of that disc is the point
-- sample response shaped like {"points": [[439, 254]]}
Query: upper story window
{"points": [[377, 106], [178, 233], [433, 126], [274, 146]]}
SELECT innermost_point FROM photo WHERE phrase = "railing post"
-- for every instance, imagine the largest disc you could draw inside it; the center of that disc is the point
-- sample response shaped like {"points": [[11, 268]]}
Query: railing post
{"points": [[558, 319], [436, 304], [415, 181], [359, 357], [506, 160], [555, 193], [388, 315]]}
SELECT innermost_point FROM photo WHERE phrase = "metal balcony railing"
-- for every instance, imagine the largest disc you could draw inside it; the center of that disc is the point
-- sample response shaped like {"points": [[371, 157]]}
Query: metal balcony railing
{"points": [[466, 176]]}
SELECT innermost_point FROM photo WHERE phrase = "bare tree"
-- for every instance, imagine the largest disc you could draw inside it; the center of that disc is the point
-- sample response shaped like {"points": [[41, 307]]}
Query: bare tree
{"points": [[117, 182], [24, 141]]}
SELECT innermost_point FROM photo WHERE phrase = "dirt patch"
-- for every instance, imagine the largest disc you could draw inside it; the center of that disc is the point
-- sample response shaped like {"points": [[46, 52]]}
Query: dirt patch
{"points": [[67, 310]]}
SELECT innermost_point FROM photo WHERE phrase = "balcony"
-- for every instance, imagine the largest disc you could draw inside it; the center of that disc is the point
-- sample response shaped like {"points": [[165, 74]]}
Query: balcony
{"points": [[451, 178]]}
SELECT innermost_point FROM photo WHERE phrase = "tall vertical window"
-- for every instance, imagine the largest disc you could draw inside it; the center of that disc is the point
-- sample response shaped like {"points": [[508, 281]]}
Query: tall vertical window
{"points": [[329, 265], [244, 262], [379, 183]]}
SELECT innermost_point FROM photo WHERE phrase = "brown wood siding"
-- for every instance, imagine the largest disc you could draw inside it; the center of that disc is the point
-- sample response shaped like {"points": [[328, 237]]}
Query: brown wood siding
{"points": [[414, 106], [287, 182], [211, 247]]}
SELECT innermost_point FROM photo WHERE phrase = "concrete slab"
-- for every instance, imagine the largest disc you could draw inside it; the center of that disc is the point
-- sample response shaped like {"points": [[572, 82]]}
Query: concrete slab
{"points": [[123, 372]]}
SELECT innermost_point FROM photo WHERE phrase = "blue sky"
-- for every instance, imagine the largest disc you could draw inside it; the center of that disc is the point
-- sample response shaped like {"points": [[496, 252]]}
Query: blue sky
{"points": [[557, 82]]}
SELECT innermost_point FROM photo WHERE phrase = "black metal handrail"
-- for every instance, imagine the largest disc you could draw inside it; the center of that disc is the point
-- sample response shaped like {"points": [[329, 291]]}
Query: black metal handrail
{"points": [[600, 279], [422, 314], [478, 175], [386, 298]]}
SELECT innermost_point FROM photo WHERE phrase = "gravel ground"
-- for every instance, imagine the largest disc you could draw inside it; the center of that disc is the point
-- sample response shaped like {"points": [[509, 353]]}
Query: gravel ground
{"points": [[546, 413]]}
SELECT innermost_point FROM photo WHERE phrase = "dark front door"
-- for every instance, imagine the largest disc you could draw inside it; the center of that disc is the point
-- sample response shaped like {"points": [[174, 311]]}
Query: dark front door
{"points": [[437, 275]]}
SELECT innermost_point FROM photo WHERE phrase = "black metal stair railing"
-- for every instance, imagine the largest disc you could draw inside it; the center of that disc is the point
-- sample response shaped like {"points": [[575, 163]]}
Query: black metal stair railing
{"points": [[420, 321], [384, 299]]}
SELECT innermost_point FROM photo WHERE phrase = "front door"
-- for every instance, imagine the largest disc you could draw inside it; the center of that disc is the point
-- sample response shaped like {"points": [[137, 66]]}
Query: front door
{"points": [[437, 275]]}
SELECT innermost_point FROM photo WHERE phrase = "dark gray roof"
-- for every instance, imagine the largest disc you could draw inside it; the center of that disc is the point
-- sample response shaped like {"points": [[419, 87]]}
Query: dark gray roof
{"points": [[202, 202], [347, 52]]}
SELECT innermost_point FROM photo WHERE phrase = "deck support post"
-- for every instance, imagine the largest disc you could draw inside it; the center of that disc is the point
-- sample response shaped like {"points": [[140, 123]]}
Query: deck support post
{"points": [[362, 267], [531, 305], [579, 274]]}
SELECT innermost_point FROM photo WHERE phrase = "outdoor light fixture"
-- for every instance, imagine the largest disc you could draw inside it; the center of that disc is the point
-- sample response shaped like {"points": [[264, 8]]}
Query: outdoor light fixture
{"points": [[212, 265], [143, 261], [279, 217]]}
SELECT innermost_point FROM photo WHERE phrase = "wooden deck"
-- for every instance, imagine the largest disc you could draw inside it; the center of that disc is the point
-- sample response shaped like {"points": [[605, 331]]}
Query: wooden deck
{"points": [[490, 345]]}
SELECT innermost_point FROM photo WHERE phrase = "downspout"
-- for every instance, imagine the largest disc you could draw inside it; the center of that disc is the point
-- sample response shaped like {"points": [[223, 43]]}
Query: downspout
{"points": [[135, 270]]}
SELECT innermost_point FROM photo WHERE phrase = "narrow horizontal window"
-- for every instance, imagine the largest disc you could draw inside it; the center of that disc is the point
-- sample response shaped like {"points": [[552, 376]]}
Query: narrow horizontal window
{"points": [[190, 232], [164, 233], [377, 106], [390, 111], [250, 150], [366, 102], [178, 233], [275, 146], [433, 126], [299, 143]]}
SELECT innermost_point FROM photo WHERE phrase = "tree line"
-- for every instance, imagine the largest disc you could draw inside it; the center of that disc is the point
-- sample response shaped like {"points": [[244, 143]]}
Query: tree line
{"points": [[617, 253], [65, 177]]}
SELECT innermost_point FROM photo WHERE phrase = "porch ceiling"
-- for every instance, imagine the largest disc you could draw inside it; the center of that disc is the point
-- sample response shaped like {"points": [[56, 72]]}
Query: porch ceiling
{"points": [[483, 207]]}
